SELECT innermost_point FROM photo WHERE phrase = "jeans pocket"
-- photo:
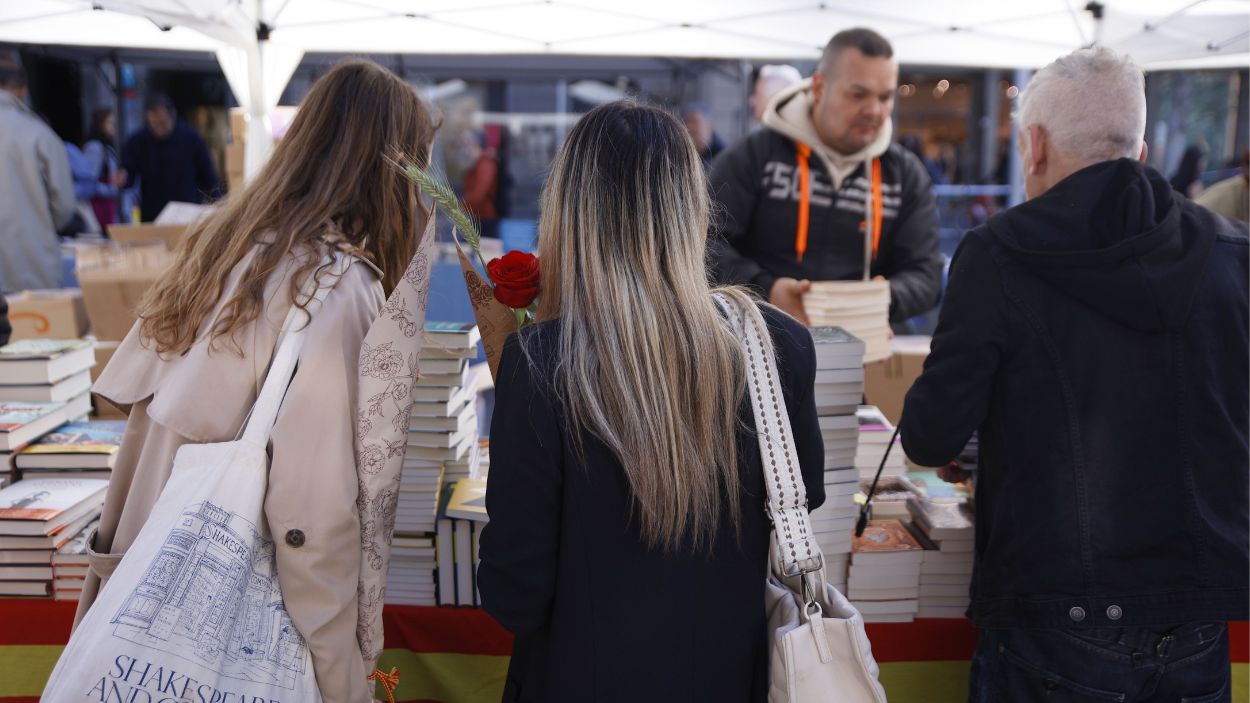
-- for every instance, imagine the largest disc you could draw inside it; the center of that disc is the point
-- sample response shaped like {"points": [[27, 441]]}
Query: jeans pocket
{"points": [[1220, 696], [1023, 682]]}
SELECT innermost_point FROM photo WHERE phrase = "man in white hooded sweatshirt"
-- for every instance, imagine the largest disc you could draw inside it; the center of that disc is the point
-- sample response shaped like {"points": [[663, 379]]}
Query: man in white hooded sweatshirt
{"points": [[822, 189]]}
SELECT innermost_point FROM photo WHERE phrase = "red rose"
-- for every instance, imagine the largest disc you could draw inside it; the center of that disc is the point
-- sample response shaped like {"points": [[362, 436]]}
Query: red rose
{"points": [[516, 277]]}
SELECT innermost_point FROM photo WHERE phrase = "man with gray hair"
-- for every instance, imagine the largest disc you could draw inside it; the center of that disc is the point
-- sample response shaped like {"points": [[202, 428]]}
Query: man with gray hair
{"points": [[36, 190], [1096, 336]]}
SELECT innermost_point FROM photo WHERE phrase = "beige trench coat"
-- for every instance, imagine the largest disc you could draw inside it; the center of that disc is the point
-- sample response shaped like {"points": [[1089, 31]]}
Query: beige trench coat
{"points": [[205, 396]]}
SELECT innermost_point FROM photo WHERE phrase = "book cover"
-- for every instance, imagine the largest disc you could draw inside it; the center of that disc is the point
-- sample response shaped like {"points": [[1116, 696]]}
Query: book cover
{"points": [[15, 416], [941, 520], [836, 335], [40, 348], [91, 437], [463, 536], [871, 419], [468, 500], [452, 334], [46, 499], [885, 537]]}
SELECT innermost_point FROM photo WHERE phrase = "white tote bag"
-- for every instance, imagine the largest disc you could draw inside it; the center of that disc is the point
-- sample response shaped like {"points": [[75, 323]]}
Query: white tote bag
{"points": [[819, 649], [194, 612]]}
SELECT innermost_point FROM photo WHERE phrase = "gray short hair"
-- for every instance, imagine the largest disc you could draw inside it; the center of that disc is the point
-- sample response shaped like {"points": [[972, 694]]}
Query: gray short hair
{"points": [[1092, 104]]}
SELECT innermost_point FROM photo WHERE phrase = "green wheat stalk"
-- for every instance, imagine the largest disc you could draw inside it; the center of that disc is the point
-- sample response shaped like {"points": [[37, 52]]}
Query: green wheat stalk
{"points": [[434, 185]]}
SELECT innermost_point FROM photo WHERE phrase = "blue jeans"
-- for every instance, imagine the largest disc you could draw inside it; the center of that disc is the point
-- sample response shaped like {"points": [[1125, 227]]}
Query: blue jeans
{"points": [[1177, 664]]}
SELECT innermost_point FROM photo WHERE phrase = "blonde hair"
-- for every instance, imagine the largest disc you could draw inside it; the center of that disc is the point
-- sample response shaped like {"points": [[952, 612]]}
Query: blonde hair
{"points": [[329, 178], [646, 362]]}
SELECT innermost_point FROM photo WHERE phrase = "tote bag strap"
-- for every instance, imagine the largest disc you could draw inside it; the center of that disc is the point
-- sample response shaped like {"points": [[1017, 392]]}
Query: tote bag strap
{"points": [[796, 551], [264, 413]]}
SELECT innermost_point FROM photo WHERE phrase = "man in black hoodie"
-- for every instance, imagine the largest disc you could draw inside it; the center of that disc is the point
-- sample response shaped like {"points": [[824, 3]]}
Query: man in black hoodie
{"points": [[169, 159], [821, 193], [1097, 337]]}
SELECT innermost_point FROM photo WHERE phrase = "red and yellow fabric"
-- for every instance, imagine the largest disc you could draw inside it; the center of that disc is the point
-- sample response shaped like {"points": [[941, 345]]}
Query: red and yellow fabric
{"points": [[460, 655]]}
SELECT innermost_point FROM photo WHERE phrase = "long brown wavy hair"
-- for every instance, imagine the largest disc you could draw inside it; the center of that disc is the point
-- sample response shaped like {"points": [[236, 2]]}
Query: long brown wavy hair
{"points": [[332, 174]]}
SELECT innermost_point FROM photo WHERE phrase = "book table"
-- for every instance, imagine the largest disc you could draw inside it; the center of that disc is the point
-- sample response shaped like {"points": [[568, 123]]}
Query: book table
{"points": [[460, 655]]}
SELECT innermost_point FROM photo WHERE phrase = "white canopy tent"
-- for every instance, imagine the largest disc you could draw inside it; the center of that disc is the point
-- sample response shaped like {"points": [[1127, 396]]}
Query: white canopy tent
{"points": [[259, 43]]}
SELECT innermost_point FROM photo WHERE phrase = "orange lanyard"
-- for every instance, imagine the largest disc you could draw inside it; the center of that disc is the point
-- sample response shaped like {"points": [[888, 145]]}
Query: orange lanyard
{"points": [[803, 158]]}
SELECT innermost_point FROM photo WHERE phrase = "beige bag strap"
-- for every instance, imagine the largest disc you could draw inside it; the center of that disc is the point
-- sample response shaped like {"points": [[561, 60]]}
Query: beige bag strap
{"points": [[796, 552]]}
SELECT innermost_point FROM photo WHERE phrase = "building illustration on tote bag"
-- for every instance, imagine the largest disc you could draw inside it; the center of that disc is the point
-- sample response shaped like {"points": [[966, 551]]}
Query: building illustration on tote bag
{"points": [[211, 596]]}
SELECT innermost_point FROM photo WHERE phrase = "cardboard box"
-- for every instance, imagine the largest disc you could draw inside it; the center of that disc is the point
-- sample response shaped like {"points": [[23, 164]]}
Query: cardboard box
{"points": [[886, 382], [170, 235], [114, 280], [47, 314], [103, 354]]}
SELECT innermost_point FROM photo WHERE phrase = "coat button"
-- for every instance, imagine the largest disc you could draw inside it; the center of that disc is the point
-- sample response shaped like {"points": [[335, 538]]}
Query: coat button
{"points": [[1115, 612], [295, 538], [1077, 613]]}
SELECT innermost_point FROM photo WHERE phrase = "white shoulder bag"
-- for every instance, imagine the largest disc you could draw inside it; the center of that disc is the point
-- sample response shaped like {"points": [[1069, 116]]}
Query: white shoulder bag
{"points": [[819, 649], [194, 610]]}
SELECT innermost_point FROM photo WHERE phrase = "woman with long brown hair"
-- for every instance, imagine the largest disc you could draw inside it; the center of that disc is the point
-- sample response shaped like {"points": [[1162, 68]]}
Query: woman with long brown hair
{"points": [[190, 369], [627, 545]]}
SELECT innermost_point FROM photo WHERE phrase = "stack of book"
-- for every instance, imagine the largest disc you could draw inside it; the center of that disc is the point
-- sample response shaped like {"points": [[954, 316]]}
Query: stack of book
{"points": [[875, 433], [839, 390], [44, 383], [459, 526], [49, 371], [410, 580], [889, 501], [946, 531], [862, 308], [69, 565], [885, 568], [442, 428], [76, 449], [38, 517], [22, 423]]}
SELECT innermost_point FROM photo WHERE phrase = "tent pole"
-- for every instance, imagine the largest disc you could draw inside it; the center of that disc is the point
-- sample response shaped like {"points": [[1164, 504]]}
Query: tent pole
{"points": [[1015, 172], [119, 130]]}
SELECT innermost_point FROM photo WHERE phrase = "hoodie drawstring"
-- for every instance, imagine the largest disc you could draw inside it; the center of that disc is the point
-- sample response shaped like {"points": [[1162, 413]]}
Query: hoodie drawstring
{"points": [[877, 214], [803, 160], [803, 156]]}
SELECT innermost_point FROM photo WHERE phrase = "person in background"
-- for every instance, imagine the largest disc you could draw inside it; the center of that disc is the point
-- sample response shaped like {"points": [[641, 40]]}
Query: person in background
{"points": [[769, 80], [100, 150], [189, 370], [1188, 177], [699, 124], [798, 195], [915, 145], [1231, 196], [1097, 335], [36, 190], [86, 186], [169, 160], [626, 488], [480, 183]]}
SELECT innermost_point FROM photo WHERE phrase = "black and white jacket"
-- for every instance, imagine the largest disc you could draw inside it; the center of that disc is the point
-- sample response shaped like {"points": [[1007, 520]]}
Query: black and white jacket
{"points": [[755, 184]]}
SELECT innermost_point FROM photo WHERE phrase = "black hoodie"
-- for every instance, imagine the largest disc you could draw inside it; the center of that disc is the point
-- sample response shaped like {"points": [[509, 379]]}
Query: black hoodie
{"points": [[1097, 337]]}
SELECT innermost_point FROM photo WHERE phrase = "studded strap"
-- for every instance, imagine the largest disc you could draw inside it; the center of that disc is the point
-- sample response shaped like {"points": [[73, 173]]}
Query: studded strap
{"points": [[797, 551]]}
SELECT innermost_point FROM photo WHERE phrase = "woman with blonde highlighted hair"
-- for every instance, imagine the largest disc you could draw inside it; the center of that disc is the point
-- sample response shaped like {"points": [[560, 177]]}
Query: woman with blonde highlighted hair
{"points": [[628, 543], [190, 369]]}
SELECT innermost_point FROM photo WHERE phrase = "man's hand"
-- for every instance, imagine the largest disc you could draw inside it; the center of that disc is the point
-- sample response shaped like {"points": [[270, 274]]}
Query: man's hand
{"points": [[787, 294], [954, 473], [118, 179]]}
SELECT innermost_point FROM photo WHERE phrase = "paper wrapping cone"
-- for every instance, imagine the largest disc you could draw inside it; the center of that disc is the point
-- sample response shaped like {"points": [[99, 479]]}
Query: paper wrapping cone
{"points": [[495, 320], [387, 373]]}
